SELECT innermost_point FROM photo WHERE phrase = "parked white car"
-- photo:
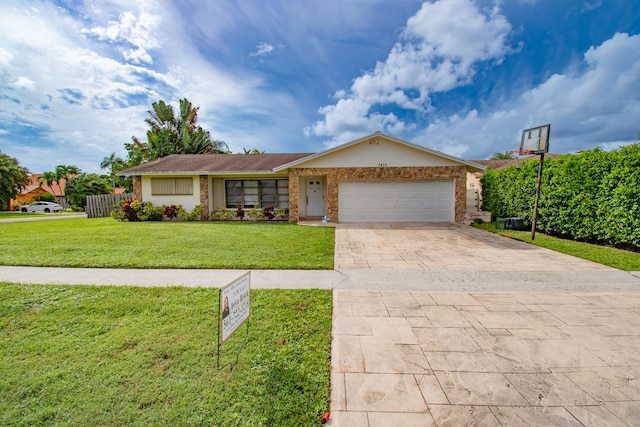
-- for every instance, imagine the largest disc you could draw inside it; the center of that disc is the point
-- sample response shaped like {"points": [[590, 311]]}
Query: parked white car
{"points": [[45, 207]]}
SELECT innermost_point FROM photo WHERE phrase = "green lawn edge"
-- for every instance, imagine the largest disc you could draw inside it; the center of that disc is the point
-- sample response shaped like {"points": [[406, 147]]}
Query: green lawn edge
{"points": [[609, 256]]}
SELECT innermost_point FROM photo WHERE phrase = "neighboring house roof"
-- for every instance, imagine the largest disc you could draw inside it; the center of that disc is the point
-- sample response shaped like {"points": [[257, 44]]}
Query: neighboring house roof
{"points": [[497, 164], [211, 163], [57, 189]]}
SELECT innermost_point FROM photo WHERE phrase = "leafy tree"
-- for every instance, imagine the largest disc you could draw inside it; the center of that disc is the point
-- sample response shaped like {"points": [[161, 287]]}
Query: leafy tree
{"points": [[171, 134], [13, 178], [507, 155], [80, 186]]}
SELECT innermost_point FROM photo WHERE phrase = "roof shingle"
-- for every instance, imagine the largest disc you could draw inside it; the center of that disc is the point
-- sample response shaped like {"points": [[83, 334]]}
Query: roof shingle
{"points": [[207, 163]]}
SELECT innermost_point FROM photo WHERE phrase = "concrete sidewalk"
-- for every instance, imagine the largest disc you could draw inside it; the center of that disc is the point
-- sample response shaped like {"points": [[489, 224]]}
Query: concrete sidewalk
{"points": [[260, 279]]}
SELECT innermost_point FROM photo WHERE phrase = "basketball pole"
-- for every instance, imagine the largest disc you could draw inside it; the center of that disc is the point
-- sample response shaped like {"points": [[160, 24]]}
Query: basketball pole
{"points": [[535, 205]]}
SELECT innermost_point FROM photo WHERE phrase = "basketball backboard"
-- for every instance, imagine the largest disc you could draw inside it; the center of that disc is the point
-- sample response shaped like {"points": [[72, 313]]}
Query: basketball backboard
{"points": [[535, 140]]}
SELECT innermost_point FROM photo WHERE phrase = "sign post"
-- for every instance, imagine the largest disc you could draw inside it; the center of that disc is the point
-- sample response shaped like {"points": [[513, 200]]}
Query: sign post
{"points": [[234, 310], [536, 141]]}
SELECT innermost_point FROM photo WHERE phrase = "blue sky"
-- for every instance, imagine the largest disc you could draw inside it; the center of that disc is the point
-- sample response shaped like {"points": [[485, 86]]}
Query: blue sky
{"points": [[461, 76]]}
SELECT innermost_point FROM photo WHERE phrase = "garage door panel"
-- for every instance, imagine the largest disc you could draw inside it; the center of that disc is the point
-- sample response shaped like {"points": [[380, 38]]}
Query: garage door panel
{"points": [[396, 201]]}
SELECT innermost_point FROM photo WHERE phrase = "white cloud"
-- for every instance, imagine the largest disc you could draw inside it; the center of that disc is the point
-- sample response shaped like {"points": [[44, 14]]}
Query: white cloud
{"points": [[134, 33], [93, 87], [263, 49], [441, 44], [598, 107], [588, 7], [5, 57], [23, 82], [458, 30]]}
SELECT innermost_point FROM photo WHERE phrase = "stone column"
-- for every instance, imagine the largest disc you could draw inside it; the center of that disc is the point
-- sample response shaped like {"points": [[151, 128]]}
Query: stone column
{"points": [[204, 197], [137, 187], [294, 182]]}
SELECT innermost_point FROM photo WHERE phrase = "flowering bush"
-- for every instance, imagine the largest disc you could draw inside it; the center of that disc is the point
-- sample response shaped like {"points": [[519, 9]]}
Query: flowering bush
{"points": [[135, 210], [129, 209], [170, 211]]}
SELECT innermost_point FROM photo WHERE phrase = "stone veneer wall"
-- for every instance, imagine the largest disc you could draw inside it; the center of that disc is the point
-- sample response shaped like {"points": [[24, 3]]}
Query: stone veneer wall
{"points": [[137, 187], [204, 197], [335, 175]]}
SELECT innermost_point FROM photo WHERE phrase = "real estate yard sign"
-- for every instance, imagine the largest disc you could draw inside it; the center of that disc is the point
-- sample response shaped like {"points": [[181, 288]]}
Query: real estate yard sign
{"points": [[234, 305]]}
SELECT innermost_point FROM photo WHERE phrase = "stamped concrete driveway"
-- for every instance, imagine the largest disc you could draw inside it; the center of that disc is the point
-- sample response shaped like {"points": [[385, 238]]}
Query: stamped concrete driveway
{"points": [[446, 325]]}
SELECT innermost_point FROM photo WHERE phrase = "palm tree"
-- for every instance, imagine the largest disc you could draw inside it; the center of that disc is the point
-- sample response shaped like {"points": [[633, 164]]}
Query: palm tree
{"points": [[169, 134], [113, 163], [64, 172], [252, 151], [49, 178], [507, 155]]}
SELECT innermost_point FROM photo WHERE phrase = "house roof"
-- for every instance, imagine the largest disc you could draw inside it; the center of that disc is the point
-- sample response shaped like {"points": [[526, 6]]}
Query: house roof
{"points": [[497, 164], [209, 163], [472, 166], [56, 189], [189, 164]]}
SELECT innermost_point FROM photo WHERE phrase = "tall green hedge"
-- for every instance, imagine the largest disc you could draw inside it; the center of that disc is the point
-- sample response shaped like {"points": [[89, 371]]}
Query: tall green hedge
{"points": [[591, 196]]}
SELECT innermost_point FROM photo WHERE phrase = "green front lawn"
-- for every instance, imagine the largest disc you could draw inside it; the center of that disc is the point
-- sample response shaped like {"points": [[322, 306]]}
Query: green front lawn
{"points": [[9, 214], [104, 242], [616, 258], [115, 356]]}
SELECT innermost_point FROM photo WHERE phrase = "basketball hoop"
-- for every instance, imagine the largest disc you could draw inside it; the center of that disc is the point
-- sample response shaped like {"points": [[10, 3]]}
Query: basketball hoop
{"points": [[535, 140]]}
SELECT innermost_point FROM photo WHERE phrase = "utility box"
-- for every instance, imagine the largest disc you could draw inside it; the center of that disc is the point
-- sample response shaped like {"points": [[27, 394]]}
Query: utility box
{"points": [[509, 223]]}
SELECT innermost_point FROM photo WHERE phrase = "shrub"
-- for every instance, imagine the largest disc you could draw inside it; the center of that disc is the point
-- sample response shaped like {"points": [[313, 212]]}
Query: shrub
{"points": [[257, 213], [149, 212], [268, 213], [224, 214], [282, 213], [196, 214], [117, 212], [170, 211], [134, 210], [592, 196], [45, 197], [130, 213]]}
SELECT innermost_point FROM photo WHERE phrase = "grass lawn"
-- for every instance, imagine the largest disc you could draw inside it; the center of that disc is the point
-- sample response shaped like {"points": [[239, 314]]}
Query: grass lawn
{"points": [[104, 242], [84, 356], [617, 258], [8, 214]]}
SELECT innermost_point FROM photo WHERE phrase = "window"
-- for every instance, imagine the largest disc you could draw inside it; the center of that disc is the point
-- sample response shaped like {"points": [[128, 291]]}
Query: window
{"points": [[257, 193], [171, 186]]}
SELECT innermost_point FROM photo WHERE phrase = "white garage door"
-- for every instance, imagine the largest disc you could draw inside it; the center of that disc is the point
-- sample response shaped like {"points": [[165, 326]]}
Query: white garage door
{"points": [[396, 201]]}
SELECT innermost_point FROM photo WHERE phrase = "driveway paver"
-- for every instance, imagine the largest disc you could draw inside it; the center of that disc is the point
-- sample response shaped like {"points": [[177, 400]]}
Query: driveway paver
{"points": [[446, 325]]}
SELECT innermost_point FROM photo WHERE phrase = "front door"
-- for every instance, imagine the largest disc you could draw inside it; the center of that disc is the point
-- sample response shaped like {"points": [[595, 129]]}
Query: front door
{"points": [[315, 197]]}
